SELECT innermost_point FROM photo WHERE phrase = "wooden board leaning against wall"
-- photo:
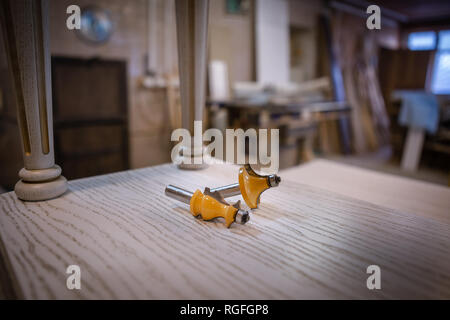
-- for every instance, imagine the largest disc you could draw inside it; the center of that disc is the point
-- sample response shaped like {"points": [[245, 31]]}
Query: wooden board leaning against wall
{"points": [[357, 49]]}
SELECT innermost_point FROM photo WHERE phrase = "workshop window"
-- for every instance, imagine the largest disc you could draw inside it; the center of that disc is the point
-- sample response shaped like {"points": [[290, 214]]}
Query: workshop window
{"points": [[440, 83], [422, 40], [429, 40]]}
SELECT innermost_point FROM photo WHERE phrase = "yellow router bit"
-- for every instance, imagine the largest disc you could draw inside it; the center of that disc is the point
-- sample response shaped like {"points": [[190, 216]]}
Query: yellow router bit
{"points": [[250, 185], [209, 205]]}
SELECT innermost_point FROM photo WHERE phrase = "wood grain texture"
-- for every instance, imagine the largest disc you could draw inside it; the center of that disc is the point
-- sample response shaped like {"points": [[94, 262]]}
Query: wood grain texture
{"points": [[404, 194], [131, 241]]}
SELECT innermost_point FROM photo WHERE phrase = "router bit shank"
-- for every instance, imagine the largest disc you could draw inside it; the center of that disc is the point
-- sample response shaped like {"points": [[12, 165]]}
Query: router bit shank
{"points": [[179, 194], [229, 190]]}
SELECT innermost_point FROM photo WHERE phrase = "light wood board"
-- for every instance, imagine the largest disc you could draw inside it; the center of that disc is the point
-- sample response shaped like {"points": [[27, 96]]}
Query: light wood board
{"points": [[421, 198], [131, 241]]}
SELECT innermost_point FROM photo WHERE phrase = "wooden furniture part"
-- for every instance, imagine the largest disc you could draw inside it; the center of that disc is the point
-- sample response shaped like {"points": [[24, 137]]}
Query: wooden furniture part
{"points": [[131, 241], [25, 26], [192, 31], [90, 115], [12, 161], [192, 34]]}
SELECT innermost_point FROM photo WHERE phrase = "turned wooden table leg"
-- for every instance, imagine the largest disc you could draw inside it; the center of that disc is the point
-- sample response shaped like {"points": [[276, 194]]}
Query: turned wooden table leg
{"points": [[192, 31], [25, 26]]}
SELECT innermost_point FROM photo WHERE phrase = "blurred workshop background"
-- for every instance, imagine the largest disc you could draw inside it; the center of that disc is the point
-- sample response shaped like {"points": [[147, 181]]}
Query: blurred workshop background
{"points": [[378, 99]]}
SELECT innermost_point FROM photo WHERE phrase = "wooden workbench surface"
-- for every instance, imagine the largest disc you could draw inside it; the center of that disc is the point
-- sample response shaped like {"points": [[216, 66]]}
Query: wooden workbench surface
{"points": [[405, 194], [308, 239]]}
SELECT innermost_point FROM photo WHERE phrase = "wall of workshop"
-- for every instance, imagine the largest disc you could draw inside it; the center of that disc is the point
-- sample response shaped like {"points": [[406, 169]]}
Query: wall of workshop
{"points": [[148, 132], [231, 39], [303, 20]]}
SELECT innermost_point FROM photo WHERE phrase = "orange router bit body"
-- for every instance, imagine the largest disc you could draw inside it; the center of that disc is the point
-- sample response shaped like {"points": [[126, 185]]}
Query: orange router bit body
{"points": [[209, 208], [209, 205], [251, 187]]}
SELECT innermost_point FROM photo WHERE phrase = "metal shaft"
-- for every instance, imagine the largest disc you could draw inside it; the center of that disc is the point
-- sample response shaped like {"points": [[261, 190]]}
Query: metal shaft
{"points": [[229, 190], [234, 189], [179, 194]]}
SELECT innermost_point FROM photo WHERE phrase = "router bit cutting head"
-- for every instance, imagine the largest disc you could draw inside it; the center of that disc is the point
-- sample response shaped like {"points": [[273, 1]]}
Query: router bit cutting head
{"points": [[252, 184]]}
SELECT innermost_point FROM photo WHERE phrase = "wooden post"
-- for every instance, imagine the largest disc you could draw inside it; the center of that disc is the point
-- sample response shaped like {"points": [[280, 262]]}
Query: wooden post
{"points": [[192, 31], [412, 149], [25, 26]]}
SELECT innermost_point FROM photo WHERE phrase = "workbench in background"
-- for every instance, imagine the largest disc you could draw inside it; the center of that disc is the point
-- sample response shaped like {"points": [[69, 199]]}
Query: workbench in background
{"points": [[305, 128], [312, 237]]}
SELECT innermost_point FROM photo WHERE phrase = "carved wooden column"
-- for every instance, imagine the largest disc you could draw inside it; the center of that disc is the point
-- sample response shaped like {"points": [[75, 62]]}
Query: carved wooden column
{"points": [[26, 37], [192, 32]]}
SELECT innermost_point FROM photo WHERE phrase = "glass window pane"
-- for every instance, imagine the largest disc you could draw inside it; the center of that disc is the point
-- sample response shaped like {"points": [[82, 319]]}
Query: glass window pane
{"points": [[444, 40], [422, 40], [441, 75]]}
